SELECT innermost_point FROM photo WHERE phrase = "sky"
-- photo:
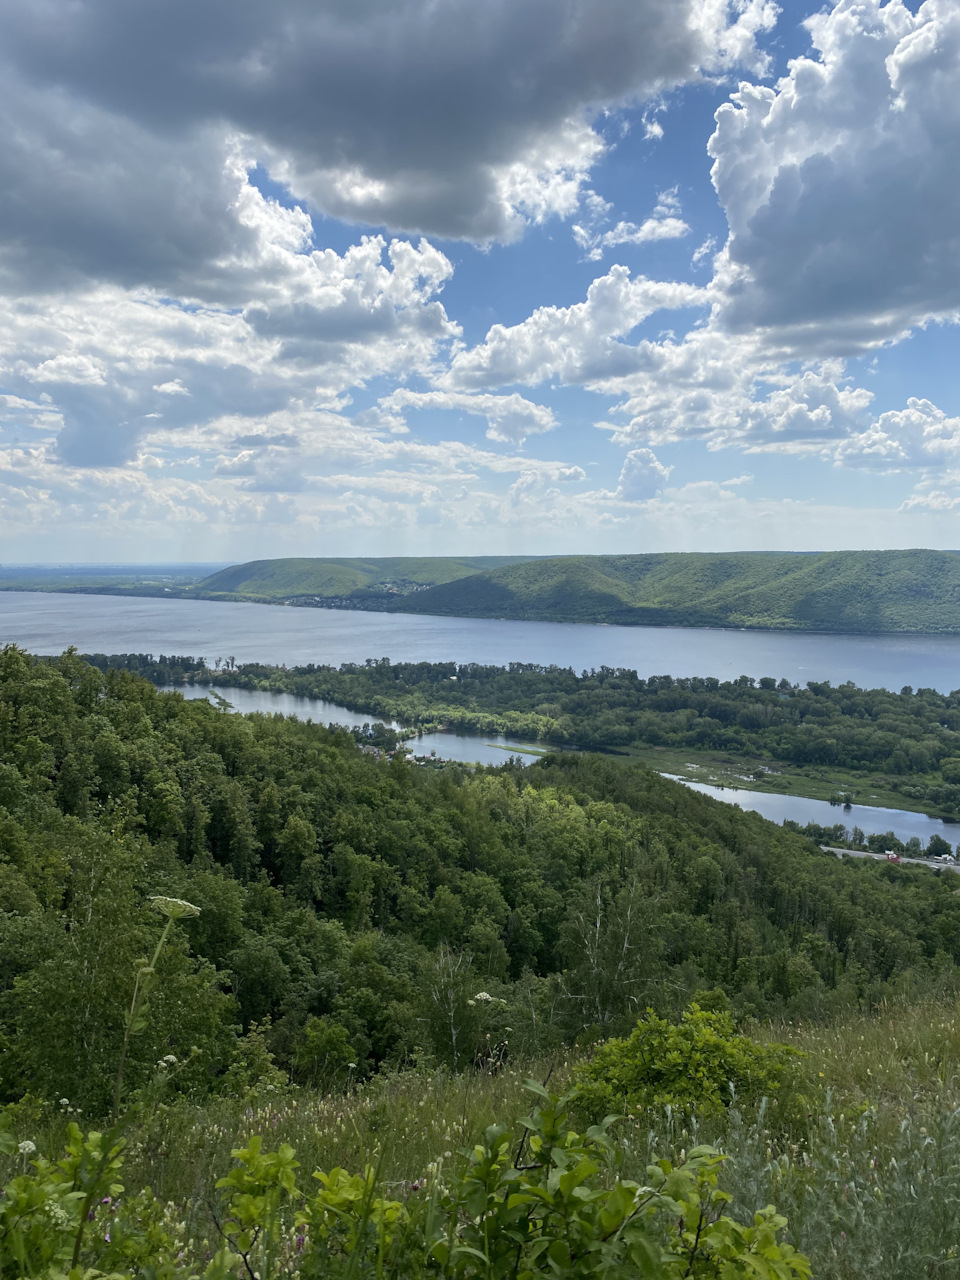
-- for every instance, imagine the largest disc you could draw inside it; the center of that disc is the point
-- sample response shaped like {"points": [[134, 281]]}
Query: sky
{"points": [[432, 277]]}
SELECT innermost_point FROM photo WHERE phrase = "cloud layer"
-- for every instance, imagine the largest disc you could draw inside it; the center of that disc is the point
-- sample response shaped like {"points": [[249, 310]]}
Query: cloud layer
{"points": [[181, 346], [449, 118]]}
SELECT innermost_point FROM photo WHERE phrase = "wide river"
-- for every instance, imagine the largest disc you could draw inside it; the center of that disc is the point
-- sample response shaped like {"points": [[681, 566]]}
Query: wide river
{"points": [[49, 623]]}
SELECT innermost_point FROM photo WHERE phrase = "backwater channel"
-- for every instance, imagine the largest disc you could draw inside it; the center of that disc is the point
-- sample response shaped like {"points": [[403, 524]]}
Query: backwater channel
{"points": [[496, 749]]}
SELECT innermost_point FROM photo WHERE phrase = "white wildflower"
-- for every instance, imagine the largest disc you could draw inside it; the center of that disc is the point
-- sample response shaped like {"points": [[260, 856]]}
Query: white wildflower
{"points": [[175, 908], [57, 1214], [27, 1148]]}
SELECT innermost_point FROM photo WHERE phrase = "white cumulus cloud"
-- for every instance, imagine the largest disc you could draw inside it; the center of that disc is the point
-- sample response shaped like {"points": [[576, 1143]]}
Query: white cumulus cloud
{"points": [[445, 118], [921, 435], [665, 223], [576, 344], [839, 183], [642, 477], [311, 325], [509, 418]]}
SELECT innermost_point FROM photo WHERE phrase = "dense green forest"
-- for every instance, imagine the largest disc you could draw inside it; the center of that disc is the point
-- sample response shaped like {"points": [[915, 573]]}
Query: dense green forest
{"points": [[840, 591], [238, 933], [358, 906], [844, 740]]}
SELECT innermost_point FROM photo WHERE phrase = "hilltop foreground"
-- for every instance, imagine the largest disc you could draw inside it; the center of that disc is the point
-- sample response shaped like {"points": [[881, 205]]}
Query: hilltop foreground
{"points": [[840, 591]]}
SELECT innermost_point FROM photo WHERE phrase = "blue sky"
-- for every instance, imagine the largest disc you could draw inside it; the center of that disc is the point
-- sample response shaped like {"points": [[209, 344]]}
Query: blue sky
{"points": [[295, 278]]}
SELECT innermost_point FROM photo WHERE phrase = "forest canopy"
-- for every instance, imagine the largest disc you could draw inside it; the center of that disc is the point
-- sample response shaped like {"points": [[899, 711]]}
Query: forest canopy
{"points": [[356, 912]]}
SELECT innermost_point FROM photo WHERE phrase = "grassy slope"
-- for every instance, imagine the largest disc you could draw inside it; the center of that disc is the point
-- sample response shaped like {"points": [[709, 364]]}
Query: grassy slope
{"points": [[848, 591], [278, 579], [868, 1176]]}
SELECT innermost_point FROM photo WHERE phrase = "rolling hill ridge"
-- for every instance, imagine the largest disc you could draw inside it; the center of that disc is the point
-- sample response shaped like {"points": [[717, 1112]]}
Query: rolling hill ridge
{"points": [[309, 580], [839, 591]]}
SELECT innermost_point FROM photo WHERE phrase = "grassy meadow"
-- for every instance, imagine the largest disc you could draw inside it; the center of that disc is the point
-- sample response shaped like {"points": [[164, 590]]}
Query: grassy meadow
{"points": [[863, 1158]]}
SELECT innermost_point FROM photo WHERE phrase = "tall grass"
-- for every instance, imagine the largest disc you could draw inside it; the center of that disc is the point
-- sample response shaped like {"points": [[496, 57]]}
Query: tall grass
{"points": [[864, 1162], [399, 1122], [867, 1164], [865, 1198], [902, 1055]]}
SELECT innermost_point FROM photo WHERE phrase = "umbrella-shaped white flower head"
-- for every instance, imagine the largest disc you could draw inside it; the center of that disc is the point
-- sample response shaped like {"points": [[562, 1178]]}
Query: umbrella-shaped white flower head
{"points": [[175, 908]]}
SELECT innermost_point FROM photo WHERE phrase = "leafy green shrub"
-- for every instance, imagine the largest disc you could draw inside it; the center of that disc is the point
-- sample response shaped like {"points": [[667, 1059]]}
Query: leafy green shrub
{"points": [[699, 1064], [63, 1215], [548, 1210], [252, 1072], [325, 1057]]}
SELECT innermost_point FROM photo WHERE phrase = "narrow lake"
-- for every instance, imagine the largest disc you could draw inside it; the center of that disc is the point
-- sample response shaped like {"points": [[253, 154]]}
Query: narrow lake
{"points": [[48, 623], [871, 820], [469, 748]]}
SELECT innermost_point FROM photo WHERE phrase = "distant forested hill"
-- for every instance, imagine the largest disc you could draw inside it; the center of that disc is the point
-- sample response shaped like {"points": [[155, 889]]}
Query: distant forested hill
{"points": [[846, 591], [851, 591], [351, 581]]}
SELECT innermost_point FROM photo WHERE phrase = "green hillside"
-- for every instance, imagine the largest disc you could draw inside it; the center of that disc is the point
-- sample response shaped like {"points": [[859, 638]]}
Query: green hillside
{"points": [[343, 579], [845, 591], [332, 889]]}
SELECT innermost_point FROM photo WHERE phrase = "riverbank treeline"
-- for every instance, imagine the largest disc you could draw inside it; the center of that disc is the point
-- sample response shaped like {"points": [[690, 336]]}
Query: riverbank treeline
{"points": [[362, 913], [907, 743]]}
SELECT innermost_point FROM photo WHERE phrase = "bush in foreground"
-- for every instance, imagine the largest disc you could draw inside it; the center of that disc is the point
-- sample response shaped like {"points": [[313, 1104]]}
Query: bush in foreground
{"points": [[699, 1064]]}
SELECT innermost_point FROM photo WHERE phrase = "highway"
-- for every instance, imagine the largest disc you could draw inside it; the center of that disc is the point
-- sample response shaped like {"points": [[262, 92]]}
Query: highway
{"points": [[882, 857]]}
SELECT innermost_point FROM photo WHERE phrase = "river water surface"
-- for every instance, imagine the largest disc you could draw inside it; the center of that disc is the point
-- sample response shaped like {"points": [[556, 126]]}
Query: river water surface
{"points": [[491, 748], [48, 623], [870, 819]]}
